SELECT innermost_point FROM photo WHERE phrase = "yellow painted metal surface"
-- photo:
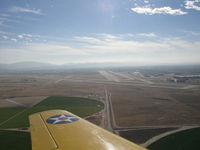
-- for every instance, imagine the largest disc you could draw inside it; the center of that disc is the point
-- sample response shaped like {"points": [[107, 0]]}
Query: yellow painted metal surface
{"points": [[77, 135], [40, 136]]}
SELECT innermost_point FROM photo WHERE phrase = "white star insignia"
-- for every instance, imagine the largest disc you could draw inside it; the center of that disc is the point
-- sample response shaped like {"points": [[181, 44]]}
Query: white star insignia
{"points": [[61, 119]]}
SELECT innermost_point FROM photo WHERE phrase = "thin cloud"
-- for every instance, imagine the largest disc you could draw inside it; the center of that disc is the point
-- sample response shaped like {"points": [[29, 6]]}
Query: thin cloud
{"points": [[25, 35], [122, 45], [3, 32], [29, 35], [54, 49], [192, 4], [13, 39], [4, 19], [17, 9], [4, 15], [162, 10], [4, 37], [1, 23], [100, 49], [109, 37], [147, 34], [20, 36], [87, 39], [192, 33]]}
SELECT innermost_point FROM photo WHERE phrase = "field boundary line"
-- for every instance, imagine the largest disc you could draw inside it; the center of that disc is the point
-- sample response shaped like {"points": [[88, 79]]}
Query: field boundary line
{"points": [[13, 117], [20, 113], [14, 102]]}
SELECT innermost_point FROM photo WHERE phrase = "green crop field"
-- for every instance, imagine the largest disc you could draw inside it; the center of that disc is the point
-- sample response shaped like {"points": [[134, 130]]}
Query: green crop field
{"points": [[14, 140], [184, 140], [18, 117], [79, 106], [6, 113]]}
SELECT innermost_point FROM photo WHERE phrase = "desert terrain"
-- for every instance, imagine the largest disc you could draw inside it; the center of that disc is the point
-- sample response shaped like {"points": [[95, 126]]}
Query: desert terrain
{"points": [[139, 103]]}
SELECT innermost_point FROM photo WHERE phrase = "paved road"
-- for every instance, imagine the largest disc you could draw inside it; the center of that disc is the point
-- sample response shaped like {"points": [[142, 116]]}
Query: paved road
{"points": [[108, 113], [113, 122], [152, 127]]}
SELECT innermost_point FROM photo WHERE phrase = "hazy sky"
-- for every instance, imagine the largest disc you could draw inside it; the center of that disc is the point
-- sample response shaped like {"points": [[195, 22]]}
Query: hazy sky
{"points": [[73, 31]]}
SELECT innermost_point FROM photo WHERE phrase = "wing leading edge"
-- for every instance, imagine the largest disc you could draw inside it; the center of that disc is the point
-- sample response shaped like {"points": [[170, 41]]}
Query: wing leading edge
{"points": [[62, 130]]}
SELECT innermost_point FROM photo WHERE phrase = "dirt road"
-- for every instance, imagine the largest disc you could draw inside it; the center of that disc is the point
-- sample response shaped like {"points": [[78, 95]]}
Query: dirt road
{"points": [[155, 138]]}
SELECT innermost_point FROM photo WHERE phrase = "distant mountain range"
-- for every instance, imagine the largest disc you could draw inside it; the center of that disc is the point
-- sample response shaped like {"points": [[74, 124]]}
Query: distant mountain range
{"points": [[26, 66], [46, 66], [38, 66]]}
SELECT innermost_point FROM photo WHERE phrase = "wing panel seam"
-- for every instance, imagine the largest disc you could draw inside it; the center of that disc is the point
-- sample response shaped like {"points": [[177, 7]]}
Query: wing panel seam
{"points": [[49, 132]]}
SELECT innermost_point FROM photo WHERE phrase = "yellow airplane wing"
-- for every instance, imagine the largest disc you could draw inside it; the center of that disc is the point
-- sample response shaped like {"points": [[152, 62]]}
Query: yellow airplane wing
{"points": [[62, 130]]}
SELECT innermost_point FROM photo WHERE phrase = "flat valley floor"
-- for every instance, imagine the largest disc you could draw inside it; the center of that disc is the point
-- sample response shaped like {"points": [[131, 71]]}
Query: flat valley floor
{"points": [[140, 102]]}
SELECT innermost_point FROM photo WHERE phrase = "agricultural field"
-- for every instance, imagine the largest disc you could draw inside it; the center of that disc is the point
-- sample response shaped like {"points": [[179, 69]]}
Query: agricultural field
{"points": [[15, 140], [17, 117], [141, 136], [9, 112], [142, 101], [184, 140], [146, 106], [79, 106]]}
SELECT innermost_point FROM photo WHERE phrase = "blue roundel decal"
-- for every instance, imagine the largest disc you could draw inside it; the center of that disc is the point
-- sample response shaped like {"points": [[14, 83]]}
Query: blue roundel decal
{"points": [[61, 119]]}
